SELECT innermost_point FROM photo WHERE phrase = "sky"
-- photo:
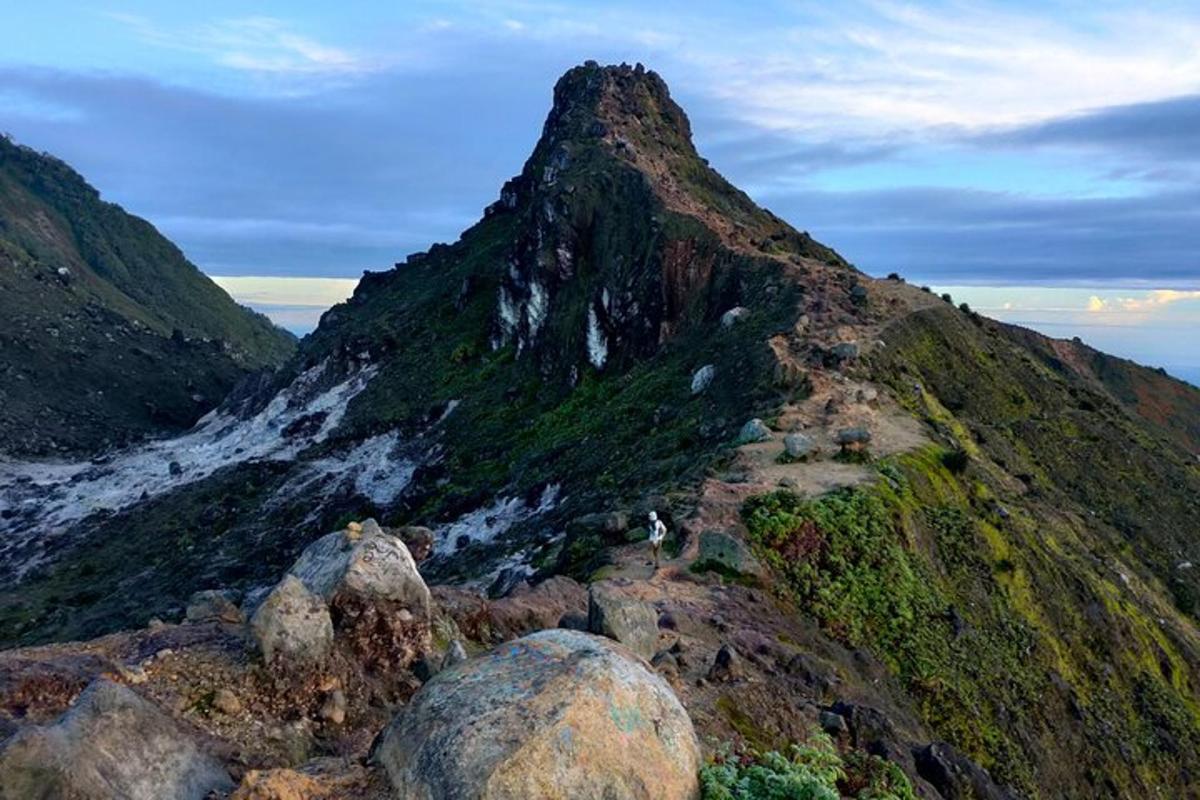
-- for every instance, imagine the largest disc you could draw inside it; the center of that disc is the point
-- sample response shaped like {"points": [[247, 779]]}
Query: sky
{"points": [[994, 149]]}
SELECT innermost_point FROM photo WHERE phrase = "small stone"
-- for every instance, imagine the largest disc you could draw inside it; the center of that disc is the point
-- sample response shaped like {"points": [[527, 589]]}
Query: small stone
{"points": [[212, 604], [227, 702], [455, 654], [333, 710], [425, 667], [731, 317], [618, 615], [726, 666], [754, 431], [845, 351], [832, 723], [573, 621], [853, 436], [798, 445], [702, 378]]}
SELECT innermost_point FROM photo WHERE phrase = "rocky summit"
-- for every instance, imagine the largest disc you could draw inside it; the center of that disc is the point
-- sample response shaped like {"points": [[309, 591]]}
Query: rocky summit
{"points": [[910, 551]]}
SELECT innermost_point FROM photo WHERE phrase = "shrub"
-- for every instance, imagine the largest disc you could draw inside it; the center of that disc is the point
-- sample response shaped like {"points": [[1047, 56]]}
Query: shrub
{"points": [[811, 771], [956, 461], [948, 298]]}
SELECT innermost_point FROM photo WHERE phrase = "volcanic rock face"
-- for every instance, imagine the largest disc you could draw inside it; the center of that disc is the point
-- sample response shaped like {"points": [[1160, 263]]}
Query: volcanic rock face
{"points": [[558, 714]]}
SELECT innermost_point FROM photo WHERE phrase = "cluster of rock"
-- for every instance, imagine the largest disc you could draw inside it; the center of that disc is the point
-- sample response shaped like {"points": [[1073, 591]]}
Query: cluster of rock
{"points": [[558, 713], [361, 584]]}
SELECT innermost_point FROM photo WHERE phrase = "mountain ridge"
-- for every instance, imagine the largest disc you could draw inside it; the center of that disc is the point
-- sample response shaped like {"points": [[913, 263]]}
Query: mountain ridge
{"points": [[111, 333], [968, 532]]}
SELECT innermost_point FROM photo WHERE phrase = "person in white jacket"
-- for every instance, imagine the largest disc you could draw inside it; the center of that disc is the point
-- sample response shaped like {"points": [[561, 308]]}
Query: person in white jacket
{"points": [[658, 532]]}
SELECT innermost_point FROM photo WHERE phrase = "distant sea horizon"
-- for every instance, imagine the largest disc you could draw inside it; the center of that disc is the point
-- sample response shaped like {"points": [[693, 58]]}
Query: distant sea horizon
{"points": [[1154, 327]]}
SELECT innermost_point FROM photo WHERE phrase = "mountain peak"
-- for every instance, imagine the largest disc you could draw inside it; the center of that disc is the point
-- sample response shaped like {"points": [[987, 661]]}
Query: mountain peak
{"points": [[617, 103]]}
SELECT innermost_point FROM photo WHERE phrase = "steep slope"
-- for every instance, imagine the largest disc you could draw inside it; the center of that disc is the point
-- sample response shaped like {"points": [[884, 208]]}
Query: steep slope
{"points": [[981, 535], [109, 332]]}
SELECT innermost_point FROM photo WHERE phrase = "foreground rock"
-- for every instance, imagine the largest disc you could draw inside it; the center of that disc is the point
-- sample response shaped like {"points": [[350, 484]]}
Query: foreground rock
{"points": [[629, 620], [558, 714], [110, 744], [292, 627], [379, 604]]}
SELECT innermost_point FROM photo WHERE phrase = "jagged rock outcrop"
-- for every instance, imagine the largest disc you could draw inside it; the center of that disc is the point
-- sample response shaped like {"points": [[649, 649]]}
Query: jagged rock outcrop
{"points": [[554, 715], [111, 744]]}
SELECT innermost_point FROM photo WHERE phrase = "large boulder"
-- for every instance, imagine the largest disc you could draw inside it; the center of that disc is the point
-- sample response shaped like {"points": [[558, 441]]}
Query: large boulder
{"points": [[292, 626], [558, 714], [615, 613], [724, 553], [379, 603], [111, 744]]}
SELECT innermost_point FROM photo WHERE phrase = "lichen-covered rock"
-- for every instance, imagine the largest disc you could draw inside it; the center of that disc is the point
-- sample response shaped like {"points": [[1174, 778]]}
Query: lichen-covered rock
{"points": [[618, 615], [723, 552], [853, 437], [754, 431], [111, 744], [363, 560], [378, 601], [558, 714], [292, 626], [798, 445]]}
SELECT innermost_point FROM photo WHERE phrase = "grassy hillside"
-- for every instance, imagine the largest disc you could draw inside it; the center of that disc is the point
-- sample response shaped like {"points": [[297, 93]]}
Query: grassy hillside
{"points": [[109, 332]]}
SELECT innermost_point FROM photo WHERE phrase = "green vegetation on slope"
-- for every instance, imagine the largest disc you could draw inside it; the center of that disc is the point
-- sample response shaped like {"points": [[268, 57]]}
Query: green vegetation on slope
{"points": [[109, 332], [1000, 577], [813, 770]]}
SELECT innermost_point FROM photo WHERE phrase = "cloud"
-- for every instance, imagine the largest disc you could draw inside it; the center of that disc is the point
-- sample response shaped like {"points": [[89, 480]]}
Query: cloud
{"points": [[263, 45], [1157, 141], [329, 184], [1150, 301], [872, 67], [944, 235]]}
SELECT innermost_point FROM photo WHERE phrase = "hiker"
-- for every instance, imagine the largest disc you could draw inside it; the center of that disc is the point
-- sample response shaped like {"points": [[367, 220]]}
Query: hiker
{"points": [[658, 532]]}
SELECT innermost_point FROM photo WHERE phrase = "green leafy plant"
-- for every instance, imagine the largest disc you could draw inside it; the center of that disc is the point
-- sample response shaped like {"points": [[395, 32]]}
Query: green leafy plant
{"points": [[810, 771]]}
